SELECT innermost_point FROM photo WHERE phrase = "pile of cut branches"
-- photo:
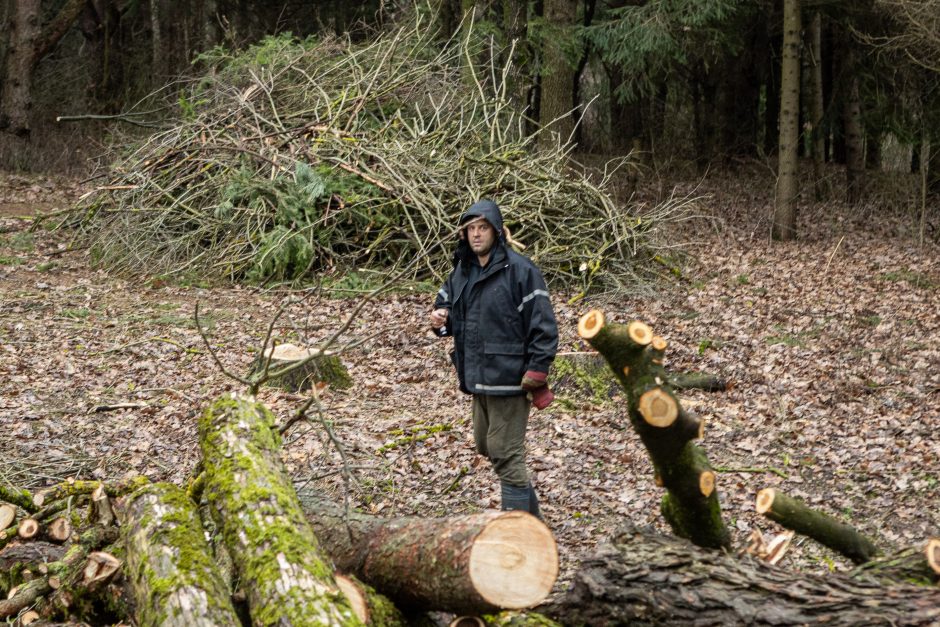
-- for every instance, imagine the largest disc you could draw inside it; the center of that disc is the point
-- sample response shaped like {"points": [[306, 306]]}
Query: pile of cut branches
{"points": [[297, 157]]}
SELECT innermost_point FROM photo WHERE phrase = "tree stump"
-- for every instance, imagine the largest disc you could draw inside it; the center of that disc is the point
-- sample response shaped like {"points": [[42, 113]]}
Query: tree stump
{"points": [[296, 369]]}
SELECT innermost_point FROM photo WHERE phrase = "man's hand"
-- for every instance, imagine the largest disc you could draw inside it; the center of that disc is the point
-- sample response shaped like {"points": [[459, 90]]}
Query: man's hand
{"points": [[533, 380], [439, 318]]}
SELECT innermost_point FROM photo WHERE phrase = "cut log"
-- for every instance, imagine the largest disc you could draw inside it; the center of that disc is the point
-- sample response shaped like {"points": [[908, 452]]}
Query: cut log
{"points": [[371, 608], [295, 369], [911, 565], [59, 530], [933, 554], [77, 487], [287, 578], [25, 553], [169, 563], [101, 511], [634, 354], [697, 381], [99, 568], [21, 498], [28, 529], [470, 564], [7, 515], [642, 578], [796, 515], [29, 617]]}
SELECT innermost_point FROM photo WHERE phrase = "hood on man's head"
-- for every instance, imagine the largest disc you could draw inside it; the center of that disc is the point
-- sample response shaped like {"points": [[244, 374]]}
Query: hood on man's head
{"points": [[489, 211]]}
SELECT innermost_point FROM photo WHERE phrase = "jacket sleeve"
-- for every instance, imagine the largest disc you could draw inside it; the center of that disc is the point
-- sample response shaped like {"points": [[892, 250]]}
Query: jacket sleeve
{"points": [[539, 322], [442, 301]]}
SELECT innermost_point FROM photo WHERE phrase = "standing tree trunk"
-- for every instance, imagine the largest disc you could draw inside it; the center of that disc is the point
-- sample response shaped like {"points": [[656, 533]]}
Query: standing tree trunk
{"points": [[784, 227], [854, 135], [816, 106], [558, 73], [16, 103]]}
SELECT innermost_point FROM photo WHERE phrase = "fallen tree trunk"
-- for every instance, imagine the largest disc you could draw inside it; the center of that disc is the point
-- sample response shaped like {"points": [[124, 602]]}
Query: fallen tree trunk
{"points": [[285, 575], [635, 355], [642, 578], [169, 565], [469, 564]]}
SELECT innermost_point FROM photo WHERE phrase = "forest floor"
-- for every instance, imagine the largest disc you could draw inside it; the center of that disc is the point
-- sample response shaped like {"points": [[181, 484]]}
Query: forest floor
{"points": [[831, 343]]}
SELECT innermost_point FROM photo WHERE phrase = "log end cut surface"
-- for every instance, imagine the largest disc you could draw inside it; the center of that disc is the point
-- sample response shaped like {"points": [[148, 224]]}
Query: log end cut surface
{"points": [[590, 324], [514, 561]]}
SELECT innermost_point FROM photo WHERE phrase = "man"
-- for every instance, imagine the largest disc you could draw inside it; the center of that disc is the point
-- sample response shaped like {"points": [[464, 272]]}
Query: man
{"points": [[496, 307]]}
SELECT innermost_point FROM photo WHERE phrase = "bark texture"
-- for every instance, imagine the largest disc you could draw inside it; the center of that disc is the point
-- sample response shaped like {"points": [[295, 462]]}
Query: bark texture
{"points": [[428, 563], [784, 227], [558, 72], [286, 576], [174, 579], [640, 578], [690, 504]]}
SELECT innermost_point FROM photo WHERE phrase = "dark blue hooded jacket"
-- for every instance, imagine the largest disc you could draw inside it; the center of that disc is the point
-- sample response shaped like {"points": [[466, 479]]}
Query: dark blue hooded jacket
{"points": [[503, 325]]}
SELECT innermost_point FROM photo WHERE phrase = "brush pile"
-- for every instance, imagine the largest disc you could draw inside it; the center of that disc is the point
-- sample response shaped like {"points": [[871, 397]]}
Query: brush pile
{"points": [[299, 157]]}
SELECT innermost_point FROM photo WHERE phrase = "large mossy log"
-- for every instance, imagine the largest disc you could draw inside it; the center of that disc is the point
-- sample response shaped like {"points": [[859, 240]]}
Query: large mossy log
{"points": [[287, 578], [470, 564], [642, 578], [635, 355], [169, 564], [796, 515]]}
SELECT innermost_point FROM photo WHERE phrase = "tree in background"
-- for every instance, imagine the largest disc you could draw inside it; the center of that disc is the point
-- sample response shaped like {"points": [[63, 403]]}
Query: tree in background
{"points": [[784, 224]]}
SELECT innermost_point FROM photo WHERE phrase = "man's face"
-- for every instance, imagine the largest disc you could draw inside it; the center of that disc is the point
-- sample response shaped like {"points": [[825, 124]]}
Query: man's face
{"points": [[481, 236]]}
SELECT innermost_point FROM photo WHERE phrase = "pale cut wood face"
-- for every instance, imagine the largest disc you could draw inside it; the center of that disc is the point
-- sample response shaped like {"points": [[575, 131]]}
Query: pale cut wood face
{"points": [[514, 561]]}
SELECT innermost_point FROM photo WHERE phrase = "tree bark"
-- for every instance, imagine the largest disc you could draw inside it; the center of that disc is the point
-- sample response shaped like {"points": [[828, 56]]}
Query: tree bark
{"points": [[282, 569], [854, 135], [463, 564], [169, 564], [640, 578], [558, 73], [16, 104], [816, 108], [784, 227], [690, 504]]}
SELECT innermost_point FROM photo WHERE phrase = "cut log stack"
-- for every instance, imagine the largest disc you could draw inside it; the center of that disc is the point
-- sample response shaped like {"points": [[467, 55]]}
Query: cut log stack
{"points": [[635, 355]]}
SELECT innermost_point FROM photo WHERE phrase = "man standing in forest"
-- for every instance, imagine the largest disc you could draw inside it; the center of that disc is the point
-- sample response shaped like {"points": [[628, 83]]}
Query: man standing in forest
{"points": [[496, 307]]}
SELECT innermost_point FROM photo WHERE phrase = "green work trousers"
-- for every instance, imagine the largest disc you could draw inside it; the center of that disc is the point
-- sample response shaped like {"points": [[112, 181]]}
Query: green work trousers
{"points": [[499, 424]]}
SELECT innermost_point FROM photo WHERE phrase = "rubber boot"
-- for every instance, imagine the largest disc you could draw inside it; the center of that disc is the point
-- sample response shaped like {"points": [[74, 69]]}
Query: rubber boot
{"points": [[515, 498], [534, 503]]}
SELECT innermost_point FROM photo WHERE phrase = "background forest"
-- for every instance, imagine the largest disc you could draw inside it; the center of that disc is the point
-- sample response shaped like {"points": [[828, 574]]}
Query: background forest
{"points": [[677, 84]]}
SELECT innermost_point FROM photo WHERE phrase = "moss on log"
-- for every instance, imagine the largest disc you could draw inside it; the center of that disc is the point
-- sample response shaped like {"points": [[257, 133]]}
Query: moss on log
{"points": [[284, 573], [370, 607], [910, 565], [796, 515], [470, 564], [296, 369], [639, 577], [172, 573], [635, 356]]}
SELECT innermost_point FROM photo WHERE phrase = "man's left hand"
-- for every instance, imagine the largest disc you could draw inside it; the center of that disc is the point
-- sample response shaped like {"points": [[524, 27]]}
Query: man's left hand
{"points": [[533, 380]]}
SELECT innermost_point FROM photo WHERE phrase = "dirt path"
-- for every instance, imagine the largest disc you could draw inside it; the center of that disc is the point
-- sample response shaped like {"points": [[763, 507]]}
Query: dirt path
{"points": [[833, 346]]}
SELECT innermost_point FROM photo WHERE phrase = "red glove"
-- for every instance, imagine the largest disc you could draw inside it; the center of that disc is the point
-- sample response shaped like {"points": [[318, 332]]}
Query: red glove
{"points": [[534, 383]]}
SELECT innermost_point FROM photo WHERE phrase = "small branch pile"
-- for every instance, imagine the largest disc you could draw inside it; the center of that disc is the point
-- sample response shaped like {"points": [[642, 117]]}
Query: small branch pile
{"points": [[298, 157]]}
